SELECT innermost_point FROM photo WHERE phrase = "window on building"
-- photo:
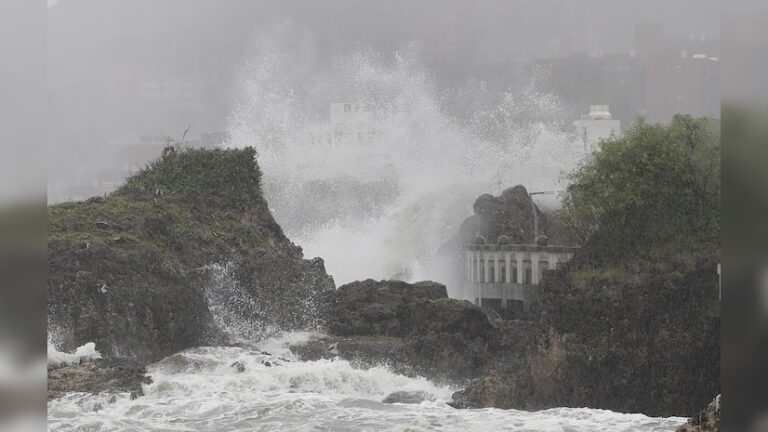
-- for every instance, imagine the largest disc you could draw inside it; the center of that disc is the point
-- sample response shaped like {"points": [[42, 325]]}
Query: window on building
{"points": [[492, 304], [543, 266]]}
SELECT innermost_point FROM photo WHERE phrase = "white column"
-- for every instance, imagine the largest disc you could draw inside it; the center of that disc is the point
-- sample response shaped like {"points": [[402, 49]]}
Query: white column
{"points": [[496, 267], [487, 269], [477, 266], [484, 269], [520, 270], [468, 265], [535, 268], [553, 258], [508, 263]]}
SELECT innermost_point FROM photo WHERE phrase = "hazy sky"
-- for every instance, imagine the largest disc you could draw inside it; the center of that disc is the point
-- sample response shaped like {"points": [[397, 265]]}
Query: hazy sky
{"points": [[103, 53]]}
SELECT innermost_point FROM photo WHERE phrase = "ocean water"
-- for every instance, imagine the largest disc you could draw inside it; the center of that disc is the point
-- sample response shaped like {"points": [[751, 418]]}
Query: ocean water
{"points": [[200, 390]]}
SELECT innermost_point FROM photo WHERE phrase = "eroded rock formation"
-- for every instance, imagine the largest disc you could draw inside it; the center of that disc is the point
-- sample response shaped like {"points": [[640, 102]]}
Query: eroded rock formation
{"points": [[131, 271]]}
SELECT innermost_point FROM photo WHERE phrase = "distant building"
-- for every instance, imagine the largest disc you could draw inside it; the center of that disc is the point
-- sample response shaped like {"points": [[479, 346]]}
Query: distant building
{"points": [[659, 77], [596, 126], [681, 82], [504, 277], [354, 123]]}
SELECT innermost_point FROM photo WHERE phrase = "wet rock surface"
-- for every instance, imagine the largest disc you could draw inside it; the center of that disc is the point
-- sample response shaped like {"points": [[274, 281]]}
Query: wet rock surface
{"points": [[379, 307], [132, 271], [138, 272], [509, 215], [708, 420], [413, 328], [98, 376], [406, 397]]}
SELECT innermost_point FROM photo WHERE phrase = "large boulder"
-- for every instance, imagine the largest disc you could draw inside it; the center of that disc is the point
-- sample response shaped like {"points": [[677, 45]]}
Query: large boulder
{"points": [[509, 218], [446, 316], [98, 376], [377, 308], [492, 389], [413, 328], [407, 397]]}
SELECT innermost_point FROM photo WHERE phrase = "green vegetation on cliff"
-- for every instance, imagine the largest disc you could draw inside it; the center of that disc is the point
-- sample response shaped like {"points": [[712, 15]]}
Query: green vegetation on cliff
{"points": [[651, 195], [226, 179], [639, 303], [185, 207], [631, 323], [130, 271]]}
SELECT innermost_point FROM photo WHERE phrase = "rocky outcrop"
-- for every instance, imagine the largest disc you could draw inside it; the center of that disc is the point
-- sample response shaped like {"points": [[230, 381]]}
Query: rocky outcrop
{"points": [[407, 397], [708, 420], [379, 308], [414, 328], [605, 341], [132, 271], [509, 215], [98, 376]]}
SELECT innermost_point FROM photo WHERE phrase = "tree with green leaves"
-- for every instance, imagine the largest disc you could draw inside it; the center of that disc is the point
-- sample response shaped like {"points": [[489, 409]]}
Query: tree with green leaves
{"points": [[652, 194]]}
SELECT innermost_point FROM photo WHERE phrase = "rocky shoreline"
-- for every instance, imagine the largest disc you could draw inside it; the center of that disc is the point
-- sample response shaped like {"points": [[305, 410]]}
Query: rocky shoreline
{"points": [[131, 272], [117, 375], [413, 328]]}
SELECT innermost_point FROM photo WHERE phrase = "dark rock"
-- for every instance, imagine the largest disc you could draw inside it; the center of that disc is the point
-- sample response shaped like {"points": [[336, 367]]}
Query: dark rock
{"points": [[446, 356], [146, 292], [406, 397], [490, 390], [180, 362], [360, 350], [239, 367], [375, 308], [509, 215], [267, 364], [708, 420], [601, 345], [446, 316], [98, 376], [413, 328]]}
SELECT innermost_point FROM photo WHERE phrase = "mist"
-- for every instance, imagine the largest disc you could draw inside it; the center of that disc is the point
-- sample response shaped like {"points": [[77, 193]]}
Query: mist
{"points": [[469, 103]]}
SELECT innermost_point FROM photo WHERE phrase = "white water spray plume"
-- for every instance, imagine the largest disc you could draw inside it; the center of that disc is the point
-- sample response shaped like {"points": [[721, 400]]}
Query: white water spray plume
{"points": [[377, 191]]}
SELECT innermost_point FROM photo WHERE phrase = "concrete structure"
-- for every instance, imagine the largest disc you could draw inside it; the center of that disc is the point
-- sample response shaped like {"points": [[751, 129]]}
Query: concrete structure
{"points": [[596, 126], [504, 277]]}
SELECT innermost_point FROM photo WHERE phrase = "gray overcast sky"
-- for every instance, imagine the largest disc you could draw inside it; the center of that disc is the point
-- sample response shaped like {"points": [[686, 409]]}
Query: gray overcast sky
{"points": [[101, 51]]}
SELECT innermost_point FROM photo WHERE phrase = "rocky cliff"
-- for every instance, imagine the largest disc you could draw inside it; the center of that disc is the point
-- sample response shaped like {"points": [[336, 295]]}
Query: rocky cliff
{"points": [[133, 271]]}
